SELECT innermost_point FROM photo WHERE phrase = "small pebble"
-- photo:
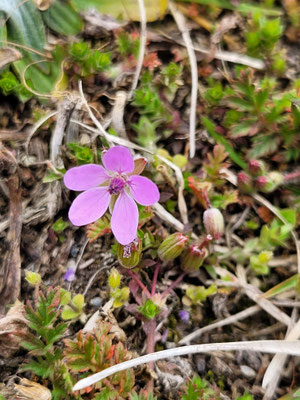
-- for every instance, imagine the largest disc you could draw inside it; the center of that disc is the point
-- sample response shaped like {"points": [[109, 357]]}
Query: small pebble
{"points": [[247, 371], [96, 302]]}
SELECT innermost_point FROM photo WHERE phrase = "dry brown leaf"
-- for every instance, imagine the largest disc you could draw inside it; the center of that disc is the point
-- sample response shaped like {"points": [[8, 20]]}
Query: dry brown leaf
{"points": [[29, 390], [10, 325], [9, 55], [265, 214]]}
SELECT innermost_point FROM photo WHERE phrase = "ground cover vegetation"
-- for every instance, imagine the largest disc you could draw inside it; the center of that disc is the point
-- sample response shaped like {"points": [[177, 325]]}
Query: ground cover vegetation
{"points": [[149, 199]]}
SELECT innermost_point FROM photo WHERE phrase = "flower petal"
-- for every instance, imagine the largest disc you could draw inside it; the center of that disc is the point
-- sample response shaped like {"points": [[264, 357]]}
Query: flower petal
{"points": [[89, 206], [118, 159], [124, 220], [143, 190], [85, 177]]}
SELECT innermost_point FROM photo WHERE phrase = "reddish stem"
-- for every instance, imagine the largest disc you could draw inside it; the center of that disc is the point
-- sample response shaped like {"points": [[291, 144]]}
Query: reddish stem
{"points": [[156, 271], [138, 281], [291, 176], [174, 284], [205, 242]]}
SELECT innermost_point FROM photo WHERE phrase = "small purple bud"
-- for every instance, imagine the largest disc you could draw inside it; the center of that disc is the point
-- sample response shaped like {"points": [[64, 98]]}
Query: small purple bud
{"points": [[184, 316], [245, 183], [214, 223], [69, 275]]}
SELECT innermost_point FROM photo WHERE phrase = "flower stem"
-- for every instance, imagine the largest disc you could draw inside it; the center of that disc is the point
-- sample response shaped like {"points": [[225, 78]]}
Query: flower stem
{"points": [[156, 271], [138, 281], [174, 284]]}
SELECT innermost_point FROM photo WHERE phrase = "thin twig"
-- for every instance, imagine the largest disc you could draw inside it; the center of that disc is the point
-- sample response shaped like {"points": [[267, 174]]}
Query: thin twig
{"points": [[218, 324], [265, 346], [91, 280], [79, 259], [143, 38], [180, 21]]}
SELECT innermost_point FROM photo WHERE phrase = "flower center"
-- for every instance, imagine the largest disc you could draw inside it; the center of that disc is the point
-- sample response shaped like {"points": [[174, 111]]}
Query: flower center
{"points": [[116, 185]]}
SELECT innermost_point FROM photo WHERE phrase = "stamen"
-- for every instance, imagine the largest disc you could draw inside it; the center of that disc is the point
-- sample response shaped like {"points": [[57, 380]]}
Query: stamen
{"points": [[116, 185]]}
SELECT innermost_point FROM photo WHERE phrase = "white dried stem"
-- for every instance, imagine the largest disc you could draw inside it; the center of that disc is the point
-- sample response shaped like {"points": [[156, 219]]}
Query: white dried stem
{"points": [[93, 118], [181, 201], [265, 346], [180, 21], [275, 368], [143, 39]]}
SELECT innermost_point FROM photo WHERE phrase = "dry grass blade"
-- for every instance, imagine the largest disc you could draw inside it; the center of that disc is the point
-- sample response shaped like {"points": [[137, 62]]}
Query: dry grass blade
{"points": [[180, 21], [265, 346]]}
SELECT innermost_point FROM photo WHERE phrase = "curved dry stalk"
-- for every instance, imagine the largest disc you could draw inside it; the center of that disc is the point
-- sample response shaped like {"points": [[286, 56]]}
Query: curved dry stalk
{"points": [[26, 48], [143, 38], [265, 346], [181, 201], [36, 126], [92, 116], [180, 21]]}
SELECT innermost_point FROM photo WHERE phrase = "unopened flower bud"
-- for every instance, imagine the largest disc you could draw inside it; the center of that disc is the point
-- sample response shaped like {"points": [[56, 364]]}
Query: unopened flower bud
{"points": [[33, 277], [245, 183], [270, 182], [129, 255], [172, 246], [213, 222], [193, 258], [114, 278], [256, 167]]}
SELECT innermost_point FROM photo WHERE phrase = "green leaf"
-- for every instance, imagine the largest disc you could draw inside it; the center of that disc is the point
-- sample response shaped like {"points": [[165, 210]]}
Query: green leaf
{"points": [[210, 127], [53, 176], [244, 8], [283, 286], [60, 225], [78, 301], [62, 18], [25, 27], [128, 10], [289, 215]]}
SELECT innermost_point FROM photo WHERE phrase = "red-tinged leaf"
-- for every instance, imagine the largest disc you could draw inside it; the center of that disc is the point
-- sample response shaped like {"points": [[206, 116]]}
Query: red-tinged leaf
{"points": [[200, 190], [99, 228], [151, 61]]}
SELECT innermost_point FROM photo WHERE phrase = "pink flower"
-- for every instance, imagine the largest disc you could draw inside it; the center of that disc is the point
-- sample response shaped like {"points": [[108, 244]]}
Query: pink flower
{"points": [[114, 186]]}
